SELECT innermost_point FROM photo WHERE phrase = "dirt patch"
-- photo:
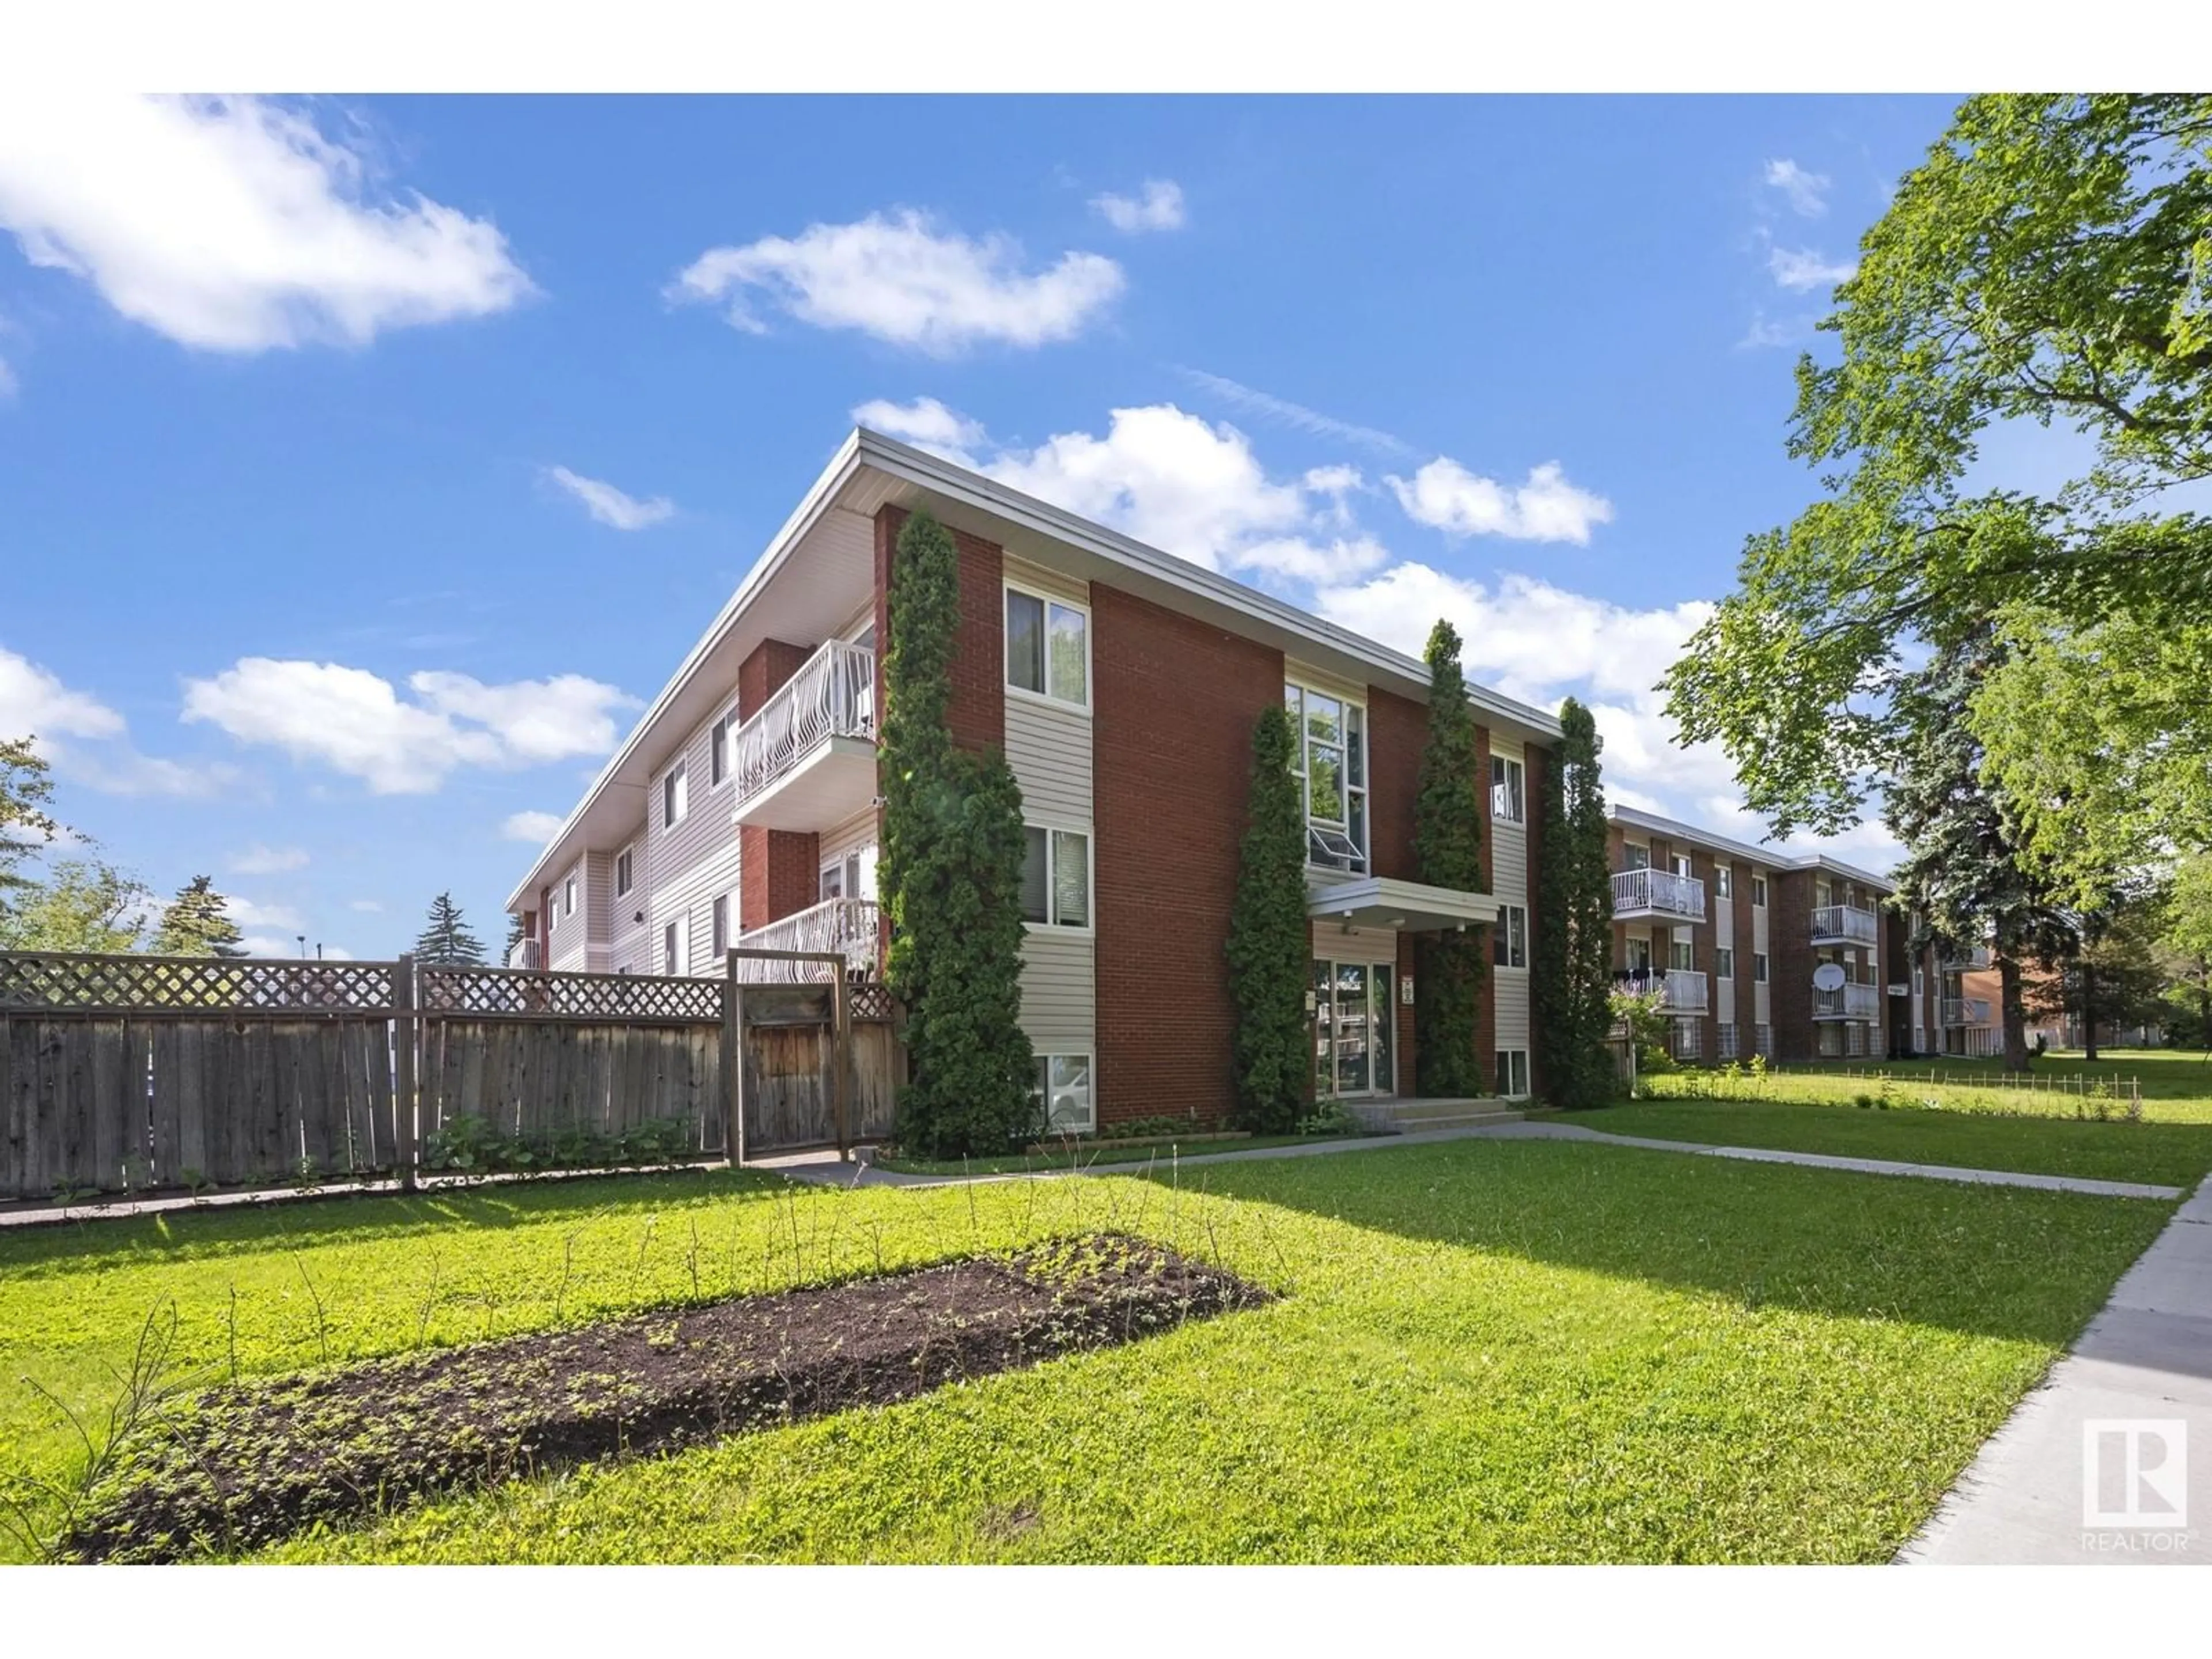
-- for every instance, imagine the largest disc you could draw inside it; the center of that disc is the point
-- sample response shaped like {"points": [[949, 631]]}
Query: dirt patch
{"points": [[243, 1466]]}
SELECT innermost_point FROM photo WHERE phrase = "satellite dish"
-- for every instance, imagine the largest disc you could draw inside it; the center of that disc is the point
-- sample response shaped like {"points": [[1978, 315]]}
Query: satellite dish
{"points": [[1828, 976]]}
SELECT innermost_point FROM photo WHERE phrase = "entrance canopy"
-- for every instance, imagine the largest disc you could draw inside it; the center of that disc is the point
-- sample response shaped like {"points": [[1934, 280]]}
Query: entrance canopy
{"points": [[1380, 902]]}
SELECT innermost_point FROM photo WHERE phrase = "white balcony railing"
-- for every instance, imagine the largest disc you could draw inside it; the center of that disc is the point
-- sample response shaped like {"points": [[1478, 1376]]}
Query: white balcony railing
{"points": [[1965, 1010], [526, 953], [1847, 1002], [1972, 961], [847, 925], [1844, 924], [1679, 990], [833, 695], [1657, 892]]}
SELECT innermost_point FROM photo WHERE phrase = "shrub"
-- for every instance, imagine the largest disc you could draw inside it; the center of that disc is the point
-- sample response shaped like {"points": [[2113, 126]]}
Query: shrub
{"points": [[1331, 1117]]}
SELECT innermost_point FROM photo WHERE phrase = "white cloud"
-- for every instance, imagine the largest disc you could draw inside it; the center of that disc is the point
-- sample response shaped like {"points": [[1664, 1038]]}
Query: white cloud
{"points": [[233, 224], [536, 828], [356, 723], [1798, 269], [1160, 208], [904, 280], [260, 860], [249, 915], [924, 422], [1765, 331], [1545, 508], [608, 505], [1265, 404], [1807, 191], [369, 907], [33, 702]]}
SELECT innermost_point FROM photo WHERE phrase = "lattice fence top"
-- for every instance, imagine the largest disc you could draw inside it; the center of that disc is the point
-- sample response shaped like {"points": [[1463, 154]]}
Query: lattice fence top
{"points": [[873, 1001], [65, 982], [502, 993]]}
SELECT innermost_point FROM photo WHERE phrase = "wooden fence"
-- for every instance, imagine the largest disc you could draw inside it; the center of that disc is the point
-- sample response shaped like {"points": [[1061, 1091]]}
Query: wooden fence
{"points": [[126, 1073]]}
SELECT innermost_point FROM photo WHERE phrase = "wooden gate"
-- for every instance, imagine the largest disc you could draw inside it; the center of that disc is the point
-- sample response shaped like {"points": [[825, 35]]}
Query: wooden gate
{"points": [[789, 1090]]}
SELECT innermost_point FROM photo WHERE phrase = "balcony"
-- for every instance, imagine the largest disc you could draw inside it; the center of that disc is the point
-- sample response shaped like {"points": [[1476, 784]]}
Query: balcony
{"points": [[1965, 1010], [1679, 990], [1847, 1002], [526, 953], [1843, 924], [846, 924], [1660, 893], [1967, 962], [806, 758]]}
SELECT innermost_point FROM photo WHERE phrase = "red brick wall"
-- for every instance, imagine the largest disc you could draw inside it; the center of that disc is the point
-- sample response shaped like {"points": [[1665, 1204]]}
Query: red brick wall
{"points": [[1789, 965], [763, 673], [1397, 733], [976, 712], [1174, 703], [1702, 940], [778, 870]]}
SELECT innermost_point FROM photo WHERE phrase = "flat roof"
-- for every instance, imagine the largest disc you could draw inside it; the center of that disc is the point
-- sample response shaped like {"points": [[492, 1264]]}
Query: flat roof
{"points": [[1635, 819]]}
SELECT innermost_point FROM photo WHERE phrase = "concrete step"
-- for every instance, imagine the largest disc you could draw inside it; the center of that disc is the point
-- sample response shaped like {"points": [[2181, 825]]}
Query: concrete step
{"points": [[1408, 1115], [1459, 1120]]}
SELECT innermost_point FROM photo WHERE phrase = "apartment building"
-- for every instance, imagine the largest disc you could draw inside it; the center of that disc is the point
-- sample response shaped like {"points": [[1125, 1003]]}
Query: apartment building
{"points": [[1749, 951], [1956, 1005], [1122, 685]]}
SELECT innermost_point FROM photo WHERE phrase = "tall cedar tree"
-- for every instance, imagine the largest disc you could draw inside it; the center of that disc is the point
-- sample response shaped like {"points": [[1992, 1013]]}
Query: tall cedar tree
{"points": [[1571, 978], [446, 940], [1448, 969], [950, 880], [1962, 875], [1270, 942], [196, 923]]}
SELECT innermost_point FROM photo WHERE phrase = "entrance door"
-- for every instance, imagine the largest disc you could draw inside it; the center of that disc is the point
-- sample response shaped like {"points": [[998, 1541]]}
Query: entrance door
{"points": [[1353, 1028]]}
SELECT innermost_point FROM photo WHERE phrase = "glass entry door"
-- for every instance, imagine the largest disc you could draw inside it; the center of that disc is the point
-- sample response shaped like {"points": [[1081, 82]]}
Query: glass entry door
{"points": [[1352, 1025]]}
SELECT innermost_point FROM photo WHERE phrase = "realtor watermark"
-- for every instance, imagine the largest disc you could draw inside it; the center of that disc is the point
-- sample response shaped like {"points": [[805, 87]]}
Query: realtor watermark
{"points": [[2134, 1485]]}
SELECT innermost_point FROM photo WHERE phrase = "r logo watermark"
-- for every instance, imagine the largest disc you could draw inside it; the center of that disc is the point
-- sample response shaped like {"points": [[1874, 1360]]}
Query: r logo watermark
{"points": [[2135, 1484]]}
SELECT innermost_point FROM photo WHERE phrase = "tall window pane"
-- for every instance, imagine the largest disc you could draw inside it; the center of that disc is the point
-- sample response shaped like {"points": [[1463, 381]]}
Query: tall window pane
{"points": [[1036, 891], [1324, 718], [1355, 750], [1325, 784], [1071, 879], [1024, 641], [1070, 669]]}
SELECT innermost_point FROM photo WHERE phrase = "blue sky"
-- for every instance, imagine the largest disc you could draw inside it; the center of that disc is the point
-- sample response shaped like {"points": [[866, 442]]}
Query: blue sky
{"points": [[365, 463]]}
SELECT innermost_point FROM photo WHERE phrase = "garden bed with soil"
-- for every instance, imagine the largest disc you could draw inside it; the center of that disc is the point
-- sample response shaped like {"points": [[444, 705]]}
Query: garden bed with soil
{"points": [[244, 1464]]}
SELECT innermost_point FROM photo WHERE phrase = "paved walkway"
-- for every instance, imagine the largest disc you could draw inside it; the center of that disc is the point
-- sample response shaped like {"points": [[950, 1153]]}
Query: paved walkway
{"points": [[2142, 1368]]}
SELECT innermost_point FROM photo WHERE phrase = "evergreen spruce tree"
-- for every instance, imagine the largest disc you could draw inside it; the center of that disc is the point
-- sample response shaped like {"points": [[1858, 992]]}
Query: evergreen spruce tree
{"points": [[446, 940], [1270, 941], [950, 879], [196, 923], [516, 932], [1571, 980], [1450, 969]]}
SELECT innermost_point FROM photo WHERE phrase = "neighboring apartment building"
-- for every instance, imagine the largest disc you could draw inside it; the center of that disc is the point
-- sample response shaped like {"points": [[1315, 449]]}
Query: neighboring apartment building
{"points": [[1957, 1005], [1732, 938], [1122, 685]]}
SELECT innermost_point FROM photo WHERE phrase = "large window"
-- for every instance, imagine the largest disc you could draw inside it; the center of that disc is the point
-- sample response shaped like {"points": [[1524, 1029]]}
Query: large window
{"points": [[718, 748], [1510, 944], [625, 871], [1723, 962], [721, 925], [1507, 803], [670, 948], [1330, 757], [568, 898], [1759, 967], [1056, 877], [675, 796], [1512, 1073], [1063, 1091], [1724, 880], [1758, 891], [1048, 648]]}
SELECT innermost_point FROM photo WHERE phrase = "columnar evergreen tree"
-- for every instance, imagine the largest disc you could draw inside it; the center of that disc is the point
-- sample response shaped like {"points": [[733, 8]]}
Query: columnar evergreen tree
{"points": [[1448, 969], [446, 940], [516, 932], [1270, 940], [196, 923], [950, 879], [1571, 978]]}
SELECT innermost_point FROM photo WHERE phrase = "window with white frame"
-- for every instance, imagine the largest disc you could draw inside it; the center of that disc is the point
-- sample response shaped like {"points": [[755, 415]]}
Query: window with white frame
{"points": [[1511, 1077], [1330, 758], [1689, 1038], [721, 925], [1724, 880], [1762, 1040], [1063, 1092], [1055, 876], [1758, 891], [1048, 648], [669, 948], [1725, 1038], [675, 796], [1723, 962], [568, 899], [1759, 967], [1831, 1040], [717, 749], [1510, 941], [625, 871], [1508, 790]]}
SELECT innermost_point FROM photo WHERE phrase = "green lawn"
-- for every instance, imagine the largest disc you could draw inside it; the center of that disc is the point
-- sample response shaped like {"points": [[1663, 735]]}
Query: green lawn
{"points": [[1485, 1350], [2177, 1087], [1079, 1156]]}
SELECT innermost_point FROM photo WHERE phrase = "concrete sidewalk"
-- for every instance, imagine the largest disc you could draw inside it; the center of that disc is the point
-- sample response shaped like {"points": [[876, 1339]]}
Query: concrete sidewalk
{"points": [[2142, 1367]]}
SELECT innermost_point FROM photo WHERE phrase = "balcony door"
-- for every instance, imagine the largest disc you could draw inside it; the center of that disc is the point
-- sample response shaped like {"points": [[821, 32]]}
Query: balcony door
{"points": [[853, 875], [1352, 1028]]}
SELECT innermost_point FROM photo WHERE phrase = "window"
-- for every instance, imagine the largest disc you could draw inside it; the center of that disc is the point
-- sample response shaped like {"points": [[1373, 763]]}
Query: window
{"points": [[1762, 1040], [1330, 758], [1727, 1041], [675, 798], [1512, 1073], [1507, 804], [1830, 1039], [1759, 967], [1680, 862], [1689, 1038], [1048, 648], [625, 871], [1510, 943], [1723, 962], [1682, 955], [833, 881], [1063, 1091], [1056, 877], [1758, 890], [668, 949], [568, 898], [1635, 856], [718, 748], [1724, 880], [721, 925]]}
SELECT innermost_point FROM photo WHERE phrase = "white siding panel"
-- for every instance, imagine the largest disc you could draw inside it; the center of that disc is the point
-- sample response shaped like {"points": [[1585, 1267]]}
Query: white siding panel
{"points": [[1049, 750], [1333, 942], [1509, 863], [687, 866], [1059, 991], [1022, 573], [858, 831], [1512, 1000], [567, 951], [1334, 685]]}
